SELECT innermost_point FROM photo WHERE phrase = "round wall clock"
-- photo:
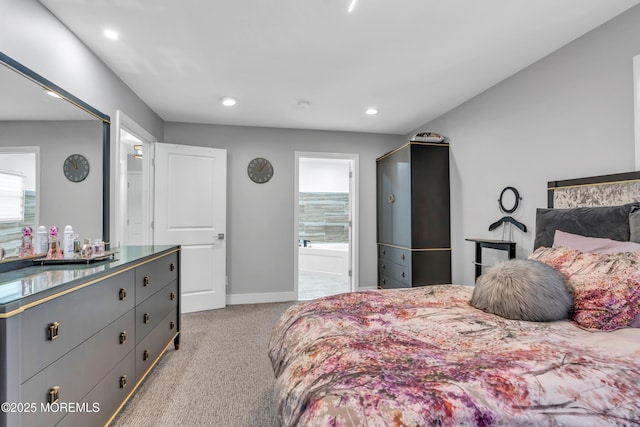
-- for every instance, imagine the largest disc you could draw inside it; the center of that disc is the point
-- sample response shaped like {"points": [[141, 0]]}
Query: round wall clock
{"points": [[260, 170], [76, 167]]}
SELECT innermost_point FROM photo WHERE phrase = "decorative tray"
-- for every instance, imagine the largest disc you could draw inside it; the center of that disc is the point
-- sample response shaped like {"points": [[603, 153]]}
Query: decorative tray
{"points": [[45, 261]]}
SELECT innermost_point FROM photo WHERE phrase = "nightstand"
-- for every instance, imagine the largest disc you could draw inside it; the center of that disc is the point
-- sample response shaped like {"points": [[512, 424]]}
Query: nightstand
{"points": [[501, 245]]}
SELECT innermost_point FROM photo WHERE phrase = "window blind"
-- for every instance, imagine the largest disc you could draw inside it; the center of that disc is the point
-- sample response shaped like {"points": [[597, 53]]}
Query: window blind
{"points": [[12, 187]]}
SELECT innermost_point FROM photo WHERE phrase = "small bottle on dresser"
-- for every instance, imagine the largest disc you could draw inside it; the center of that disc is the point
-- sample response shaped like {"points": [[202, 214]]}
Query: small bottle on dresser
{"points": [[54, 251], [67, 245], [26, 248], [41, 240]]}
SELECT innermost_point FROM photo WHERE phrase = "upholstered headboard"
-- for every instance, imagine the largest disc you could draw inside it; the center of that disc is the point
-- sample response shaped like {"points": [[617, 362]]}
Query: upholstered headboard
{"points": [[605, 206], [603, 190]]}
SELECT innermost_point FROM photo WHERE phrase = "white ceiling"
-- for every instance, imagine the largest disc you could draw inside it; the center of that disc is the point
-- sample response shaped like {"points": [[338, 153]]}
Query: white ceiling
{"points": [[412, 59]]}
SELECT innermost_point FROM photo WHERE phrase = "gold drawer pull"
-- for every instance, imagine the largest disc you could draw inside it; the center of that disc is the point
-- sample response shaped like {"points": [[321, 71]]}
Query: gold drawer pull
{"points": [[54, 394], [384, 281], [123, 294], [54, 331], [384, 252], [172, 324], [172, 296], [123, 381], [145, 355], [145, 281], [402, 274], [383, 267], [123, 337], [402, 257], [172, 267], [146, 318]]}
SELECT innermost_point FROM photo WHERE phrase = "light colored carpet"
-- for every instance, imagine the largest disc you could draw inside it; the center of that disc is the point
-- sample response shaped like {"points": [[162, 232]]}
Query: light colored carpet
{"points": [[221, 376]]}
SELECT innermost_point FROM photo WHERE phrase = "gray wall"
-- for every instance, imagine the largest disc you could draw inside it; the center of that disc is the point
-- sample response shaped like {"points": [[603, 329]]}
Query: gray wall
{"points": [[568, 115], [261, 235], [63, 202]]}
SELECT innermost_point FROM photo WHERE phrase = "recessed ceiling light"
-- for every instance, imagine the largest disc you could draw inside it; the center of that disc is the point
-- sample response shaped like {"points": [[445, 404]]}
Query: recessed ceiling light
{"points": [[228, 101], [110, 34], [52, 93], [371, 111]]}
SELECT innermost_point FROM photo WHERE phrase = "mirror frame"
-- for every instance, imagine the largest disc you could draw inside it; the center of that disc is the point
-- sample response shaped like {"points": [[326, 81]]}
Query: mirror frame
{"points": [[516, 201], [28, 73]]}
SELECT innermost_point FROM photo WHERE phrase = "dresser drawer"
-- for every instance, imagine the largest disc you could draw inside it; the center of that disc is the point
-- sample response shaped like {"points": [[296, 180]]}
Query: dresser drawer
{"points": [[51, 329], [75, 375], [397, 272], [395, 255], [108, 394], [154, 275], [150, 348], [154, 309]]}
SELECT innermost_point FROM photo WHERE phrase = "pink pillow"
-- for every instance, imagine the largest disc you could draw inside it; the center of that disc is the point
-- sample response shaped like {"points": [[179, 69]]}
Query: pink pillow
{"points": [[606, 287], [592, 244]]}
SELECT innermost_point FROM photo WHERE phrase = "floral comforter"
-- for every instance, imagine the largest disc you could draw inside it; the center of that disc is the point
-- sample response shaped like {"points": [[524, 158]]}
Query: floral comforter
{"points": [[426, 357]]}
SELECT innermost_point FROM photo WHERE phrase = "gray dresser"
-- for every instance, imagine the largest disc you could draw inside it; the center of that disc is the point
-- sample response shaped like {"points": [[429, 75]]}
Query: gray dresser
{"points": [[77, 339], [414, 239]]}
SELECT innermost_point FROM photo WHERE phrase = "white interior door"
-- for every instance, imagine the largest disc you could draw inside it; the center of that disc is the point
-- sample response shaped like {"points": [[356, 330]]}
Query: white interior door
{"points": [[190, 210]]}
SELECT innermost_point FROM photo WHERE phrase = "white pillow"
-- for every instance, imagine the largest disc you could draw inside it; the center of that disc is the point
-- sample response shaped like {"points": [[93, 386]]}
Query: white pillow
{"points": [[595, 245]]}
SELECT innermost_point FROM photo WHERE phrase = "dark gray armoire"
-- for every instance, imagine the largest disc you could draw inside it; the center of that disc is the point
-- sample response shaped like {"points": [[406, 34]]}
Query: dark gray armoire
{"points": [[414, 227]]}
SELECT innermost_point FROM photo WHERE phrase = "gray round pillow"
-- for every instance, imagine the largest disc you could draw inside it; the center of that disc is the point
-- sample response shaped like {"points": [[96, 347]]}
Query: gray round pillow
{"points": [[523, 289]]}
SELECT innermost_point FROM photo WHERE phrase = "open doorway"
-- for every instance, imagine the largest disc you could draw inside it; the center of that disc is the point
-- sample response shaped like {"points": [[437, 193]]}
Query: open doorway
{"points": [[134, 184], [326, 203]]}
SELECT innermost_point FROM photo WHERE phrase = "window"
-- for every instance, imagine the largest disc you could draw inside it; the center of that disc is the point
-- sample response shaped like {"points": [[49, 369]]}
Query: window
{"points": [[18, 195], [12, 189]]}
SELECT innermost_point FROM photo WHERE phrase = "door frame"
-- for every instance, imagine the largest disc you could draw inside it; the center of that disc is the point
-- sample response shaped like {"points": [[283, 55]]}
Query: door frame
{"points": [[120, 200], [354, 264]]}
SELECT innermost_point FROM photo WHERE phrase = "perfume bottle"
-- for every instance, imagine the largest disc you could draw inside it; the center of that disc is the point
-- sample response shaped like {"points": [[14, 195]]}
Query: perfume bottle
{"points": [[54, 251], [42, 241], [68, 243], [26, 248]]}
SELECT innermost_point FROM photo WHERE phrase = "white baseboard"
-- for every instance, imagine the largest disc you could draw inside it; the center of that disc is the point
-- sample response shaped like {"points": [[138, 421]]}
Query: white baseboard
{"points": [[234, 299]]}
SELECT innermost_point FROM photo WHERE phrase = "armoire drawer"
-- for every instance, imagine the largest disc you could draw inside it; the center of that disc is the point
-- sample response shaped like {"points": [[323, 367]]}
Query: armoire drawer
{"points": [[397, 272], [396, 255], [154, 309], [148, 350], [154, 275], [389, 283], [52, 329], [70, 378], [108, 394]]}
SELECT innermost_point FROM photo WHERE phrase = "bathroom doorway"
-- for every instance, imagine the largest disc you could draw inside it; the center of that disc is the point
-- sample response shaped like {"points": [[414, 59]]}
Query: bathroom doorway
{"points": [[326, 226]]}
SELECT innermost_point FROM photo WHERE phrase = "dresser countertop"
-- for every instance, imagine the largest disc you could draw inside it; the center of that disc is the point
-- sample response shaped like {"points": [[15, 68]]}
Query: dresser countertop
{"points": [[27, 286]]}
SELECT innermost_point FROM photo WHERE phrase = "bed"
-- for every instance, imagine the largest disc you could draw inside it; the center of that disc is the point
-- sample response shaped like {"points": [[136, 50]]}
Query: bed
{"points": [[428, 357]]}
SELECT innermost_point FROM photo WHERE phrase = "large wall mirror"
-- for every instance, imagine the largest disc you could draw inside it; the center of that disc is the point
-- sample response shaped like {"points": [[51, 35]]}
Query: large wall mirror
{"points": [[37, 133]]}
